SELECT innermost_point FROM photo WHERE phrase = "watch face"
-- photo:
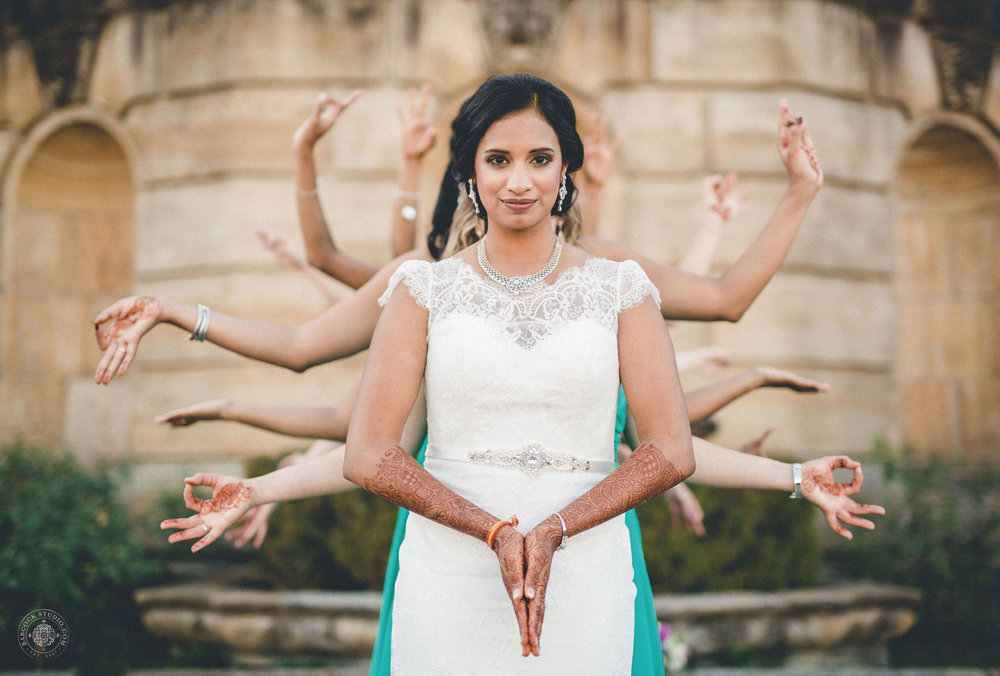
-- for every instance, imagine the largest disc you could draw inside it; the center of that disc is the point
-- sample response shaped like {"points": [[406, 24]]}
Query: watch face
{"points": [[409, 212]]}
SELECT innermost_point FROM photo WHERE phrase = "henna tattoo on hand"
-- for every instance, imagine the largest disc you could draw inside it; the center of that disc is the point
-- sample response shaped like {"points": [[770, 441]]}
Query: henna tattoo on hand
{"points": [[402, 480], [144, 307], [645, 474], [227, 497]]}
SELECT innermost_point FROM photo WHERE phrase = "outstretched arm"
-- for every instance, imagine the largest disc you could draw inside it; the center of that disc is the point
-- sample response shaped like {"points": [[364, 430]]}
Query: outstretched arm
{"points": [[718, 466], [418, 138], [343, 330], [321, 250], [697, 297], [313, 422], [705, 401]]}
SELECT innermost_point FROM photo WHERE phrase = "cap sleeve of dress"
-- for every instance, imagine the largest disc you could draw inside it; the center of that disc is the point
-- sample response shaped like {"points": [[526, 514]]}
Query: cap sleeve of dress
{"points": [[634, 286], [416, 277]]}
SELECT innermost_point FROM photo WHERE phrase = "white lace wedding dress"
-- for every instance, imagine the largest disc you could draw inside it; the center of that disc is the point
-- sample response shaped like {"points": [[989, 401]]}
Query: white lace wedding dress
{"points": [[521, 398]]}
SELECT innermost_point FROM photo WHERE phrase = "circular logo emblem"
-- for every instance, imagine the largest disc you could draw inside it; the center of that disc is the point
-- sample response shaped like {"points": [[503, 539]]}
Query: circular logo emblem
{"points": [[43, 633]]}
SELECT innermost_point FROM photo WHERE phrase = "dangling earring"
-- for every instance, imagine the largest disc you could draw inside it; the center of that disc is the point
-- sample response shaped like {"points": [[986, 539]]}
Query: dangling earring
{"points": [[472, 196], [562, 194], [480, 228]]}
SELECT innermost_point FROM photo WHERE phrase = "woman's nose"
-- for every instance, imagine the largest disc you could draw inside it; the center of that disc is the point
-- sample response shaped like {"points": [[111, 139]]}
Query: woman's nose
{"points": [[518, 179]]}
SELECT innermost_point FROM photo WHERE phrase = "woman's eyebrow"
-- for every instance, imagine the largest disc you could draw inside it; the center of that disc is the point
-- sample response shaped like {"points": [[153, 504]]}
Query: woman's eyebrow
{"points": [[507, 152]]}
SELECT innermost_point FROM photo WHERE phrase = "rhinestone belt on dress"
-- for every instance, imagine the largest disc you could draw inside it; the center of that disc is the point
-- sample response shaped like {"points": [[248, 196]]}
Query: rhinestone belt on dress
{"points": [[531, 460]]}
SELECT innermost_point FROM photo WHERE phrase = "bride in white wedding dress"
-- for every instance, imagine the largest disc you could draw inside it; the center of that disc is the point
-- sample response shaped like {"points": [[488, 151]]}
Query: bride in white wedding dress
{"points": [[522, 342]]}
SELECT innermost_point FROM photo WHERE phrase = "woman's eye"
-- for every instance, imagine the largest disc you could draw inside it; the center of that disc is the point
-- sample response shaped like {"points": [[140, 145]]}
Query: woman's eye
{"points": [[496, 159], [541, 159]]}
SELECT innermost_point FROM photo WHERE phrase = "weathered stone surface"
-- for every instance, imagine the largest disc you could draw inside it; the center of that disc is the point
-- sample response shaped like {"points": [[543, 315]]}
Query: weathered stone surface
{"points": [[991, 98], [847, 419], [662, 130], [21, 96], [439, 42], [214, 44], [854, 141], [659, 217], [846, 230], [804, 318], [761, 42], [815, 620], [98, 419], [127, 59], [230, 130], [903, 66], [208, 225], [600, 42], [244, 631]]}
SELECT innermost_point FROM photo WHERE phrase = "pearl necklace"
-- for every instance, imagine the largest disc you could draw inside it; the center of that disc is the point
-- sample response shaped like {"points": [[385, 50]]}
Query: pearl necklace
{"points": [[521, 284]]}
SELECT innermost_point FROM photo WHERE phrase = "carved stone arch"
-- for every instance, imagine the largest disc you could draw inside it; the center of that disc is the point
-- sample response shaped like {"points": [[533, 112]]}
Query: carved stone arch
{"points": [[66, 250], [948, 288]]}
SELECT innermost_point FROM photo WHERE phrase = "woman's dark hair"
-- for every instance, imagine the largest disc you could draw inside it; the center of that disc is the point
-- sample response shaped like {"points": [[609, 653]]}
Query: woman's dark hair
{"points": [[499, 96]]}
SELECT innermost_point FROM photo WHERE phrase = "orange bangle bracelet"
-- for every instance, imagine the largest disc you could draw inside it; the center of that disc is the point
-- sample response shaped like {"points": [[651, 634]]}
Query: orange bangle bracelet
{"points": [[496, 527]]}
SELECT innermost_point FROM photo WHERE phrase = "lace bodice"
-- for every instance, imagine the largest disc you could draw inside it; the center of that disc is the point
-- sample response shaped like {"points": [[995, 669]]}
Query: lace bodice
{"points": [[505, 371], [597, 290]]}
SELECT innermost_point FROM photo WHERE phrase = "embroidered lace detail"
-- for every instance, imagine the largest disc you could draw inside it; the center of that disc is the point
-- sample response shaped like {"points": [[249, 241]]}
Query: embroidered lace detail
{"points": [[531, 460], [634, 286], [416, 276], [596, 291]]}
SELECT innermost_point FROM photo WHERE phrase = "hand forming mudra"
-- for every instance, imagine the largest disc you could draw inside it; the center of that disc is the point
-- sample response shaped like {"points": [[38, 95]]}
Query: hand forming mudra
{"points": [[820, 488], [231, 499]]}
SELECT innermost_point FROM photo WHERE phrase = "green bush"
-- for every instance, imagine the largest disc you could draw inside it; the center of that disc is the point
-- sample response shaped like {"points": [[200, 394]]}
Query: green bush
{"points": [[331, 542], [755, 539], [66, 545], [941, 534]]}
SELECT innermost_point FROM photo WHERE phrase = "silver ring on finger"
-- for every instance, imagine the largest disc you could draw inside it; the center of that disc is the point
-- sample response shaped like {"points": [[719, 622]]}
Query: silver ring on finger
{"points": [[121, 349], [206, 528]]}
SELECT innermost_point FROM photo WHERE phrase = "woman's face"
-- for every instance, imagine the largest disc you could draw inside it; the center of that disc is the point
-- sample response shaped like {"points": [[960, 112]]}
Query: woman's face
{"points": [[519, 168]]}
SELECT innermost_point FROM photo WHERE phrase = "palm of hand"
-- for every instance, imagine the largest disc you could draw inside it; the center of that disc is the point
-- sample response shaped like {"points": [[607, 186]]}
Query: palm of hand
{"points": [[231, 498], [418, 137], [118, 330], [821, 488]]}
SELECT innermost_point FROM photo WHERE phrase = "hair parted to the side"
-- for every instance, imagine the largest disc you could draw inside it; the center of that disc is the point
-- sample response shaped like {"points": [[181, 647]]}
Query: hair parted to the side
{"points": [[498, 97]]}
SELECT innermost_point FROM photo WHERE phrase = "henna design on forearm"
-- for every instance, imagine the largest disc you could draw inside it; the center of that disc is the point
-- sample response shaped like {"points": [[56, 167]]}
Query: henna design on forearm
{"points": [[402, 480], [644, 475]]}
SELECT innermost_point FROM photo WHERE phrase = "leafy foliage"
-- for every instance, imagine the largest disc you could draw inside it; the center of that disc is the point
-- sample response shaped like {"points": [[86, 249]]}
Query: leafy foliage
{"points": [[66, 545], [755, 540], [941, 534]]}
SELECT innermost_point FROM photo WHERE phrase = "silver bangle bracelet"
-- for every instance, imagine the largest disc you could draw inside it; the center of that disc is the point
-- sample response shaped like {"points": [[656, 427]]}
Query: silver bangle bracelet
{"points": [[796, 482], [565, 535], [401, 194], [201, 324], [306, 193]]}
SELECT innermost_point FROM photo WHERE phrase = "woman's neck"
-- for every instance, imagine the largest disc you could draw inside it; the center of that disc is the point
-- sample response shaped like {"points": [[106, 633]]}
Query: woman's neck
{"points": [[520, 252]]}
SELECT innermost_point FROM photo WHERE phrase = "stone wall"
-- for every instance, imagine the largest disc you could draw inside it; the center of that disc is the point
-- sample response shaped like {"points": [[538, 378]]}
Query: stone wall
{"points": [[188, 109]]}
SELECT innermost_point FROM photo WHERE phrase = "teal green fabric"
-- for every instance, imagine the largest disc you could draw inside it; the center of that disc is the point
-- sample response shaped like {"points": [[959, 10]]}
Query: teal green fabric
{"points": [[647, 654]]}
